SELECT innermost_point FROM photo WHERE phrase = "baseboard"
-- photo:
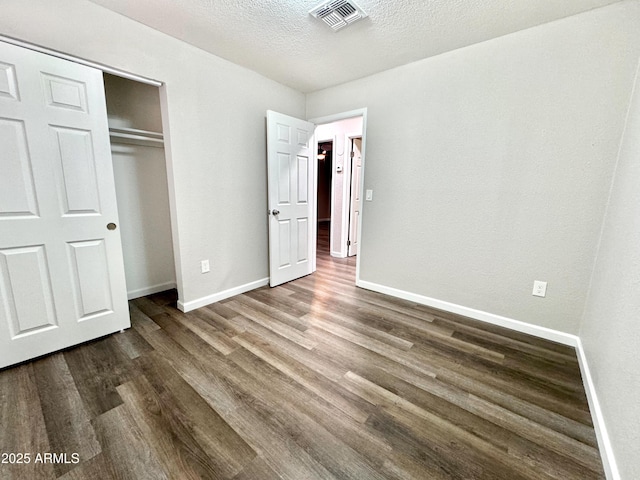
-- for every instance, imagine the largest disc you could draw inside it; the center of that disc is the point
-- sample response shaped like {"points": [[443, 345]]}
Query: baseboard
{"points": [[604, 442], [143, 292], [216, 297], [517, 325]]}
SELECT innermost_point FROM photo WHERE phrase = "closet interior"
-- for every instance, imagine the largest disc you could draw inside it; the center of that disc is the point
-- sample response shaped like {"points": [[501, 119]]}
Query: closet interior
{"points": [[140, 172]]}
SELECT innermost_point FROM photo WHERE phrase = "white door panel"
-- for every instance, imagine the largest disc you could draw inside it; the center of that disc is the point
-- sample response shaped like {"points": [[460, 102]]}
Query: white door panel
{"points": [[61, 272], [290, 183], [356, 195], [17, 191]]}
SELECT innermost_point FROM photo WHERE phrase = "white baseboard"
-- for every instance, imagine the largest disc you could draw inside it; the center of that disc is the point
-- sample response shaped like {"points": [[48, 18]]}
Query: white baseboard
{"points": [[517, 325], [142, 292], [604, 442], [216, 297]]}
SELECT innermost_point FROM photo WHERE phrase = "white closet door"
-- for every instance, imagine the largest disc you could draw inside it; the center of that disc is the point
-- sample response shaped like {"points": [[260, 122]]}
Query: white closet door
{"points": [[291, 182], [61, 271]]}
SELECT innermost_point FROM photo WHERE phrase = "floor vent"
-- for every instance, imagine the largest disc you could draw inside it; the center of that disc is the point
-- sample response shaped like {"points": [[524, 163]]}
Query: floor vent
{"points": [[338, 13]]}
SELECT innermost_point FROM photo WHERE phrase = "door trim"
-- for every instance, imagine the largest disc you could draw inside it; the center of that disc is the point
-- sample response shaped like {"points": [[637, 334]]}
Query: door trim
{"points": [[81, 61], [360, 112]]}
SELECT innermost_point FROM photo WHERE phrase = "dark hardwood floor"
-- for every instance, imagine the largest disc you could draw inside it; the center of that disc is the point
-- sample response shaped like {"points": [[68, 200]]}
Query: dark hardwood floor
{"points": [[316, 379]]}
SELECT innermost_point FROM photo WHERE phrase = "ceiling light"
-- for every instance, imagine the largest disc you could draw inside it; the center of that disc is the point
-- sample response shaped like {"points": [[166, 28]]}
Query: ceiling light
{"points": [[338, 13]]}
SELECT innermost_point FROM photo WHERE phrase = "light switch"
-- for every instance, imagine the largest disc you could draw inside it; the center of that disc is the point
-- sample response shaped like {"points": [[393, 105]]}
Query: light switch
{"points": [[368, 195]]}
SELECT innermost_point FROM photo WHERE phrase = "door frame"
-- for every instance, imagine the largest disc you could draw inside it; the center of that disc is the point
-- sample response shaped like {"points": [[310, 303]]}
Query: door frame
{"points": [[360, 112]]}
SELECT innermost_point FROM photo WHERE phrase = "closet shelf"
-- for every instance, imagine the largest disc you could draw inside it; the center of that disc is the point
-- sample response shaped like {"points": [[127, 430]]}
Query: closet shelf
{"points": [[136, 137]]}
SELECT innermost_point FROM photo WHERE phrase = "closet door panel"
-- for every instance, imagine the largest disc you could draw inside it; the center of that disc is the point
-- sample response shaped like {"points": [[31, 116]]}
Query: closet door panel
{"points": [[59, 264]]}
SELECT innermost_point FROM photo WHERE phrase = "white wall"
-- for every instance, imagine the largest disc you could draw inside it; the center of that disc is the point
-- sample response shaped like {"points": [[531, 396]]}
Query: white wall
{"points": [[610, 330], [143, 210], [491, 164], [339, 133], [216, 122], [132, 104]]}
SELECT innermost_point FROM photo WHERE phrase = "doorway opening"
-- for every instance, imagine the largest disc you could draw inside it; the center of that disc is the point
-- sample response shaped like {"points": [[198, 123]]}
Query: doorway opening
{"points": [[323, 211], [339, 177]]}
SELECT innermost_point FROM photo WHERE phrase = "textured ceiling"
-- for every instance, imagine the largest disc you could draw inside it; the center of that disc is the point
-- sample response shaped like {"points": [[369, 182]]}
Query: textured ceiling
{"points": [[280, 40]]}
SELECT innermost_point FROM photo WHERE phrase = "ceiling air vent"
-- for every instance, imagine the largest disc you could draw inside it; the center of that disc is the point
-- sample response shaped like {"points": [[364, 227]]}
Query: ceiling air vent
{"points": [[338, 13]]}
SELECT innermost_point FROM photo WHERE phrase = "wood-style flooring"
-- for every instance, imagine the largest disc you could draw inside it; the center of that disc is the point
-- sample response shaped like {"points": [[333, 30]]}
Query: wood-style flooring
{"points": [[316, 379]]}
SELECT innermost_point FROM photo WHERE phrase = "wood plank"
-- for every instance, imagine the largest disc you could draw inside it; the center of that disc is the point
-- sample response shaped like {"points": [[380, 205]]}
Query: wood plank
{"points": [[97, 368], [140, 321], [526, 387], [305, 376], [132, 343], [23, 429], [147, 306], [224, 447], [323, 365], [271, 323], [397, 355], [282, 316], [68, 424], [281, 455], [345, 447], [126, 453], [517, 435], [96, 468], [205, 330], [178, 453], [257, 469], [439, 427], [359, 327], [228, 327]]}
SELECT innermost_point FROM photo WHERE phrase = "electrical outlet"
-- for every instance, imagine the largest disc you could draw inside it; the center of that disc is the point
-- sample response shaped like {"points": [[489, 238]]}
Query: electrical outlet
{"points": [[539, 288], [204, 266], [368, 195]]}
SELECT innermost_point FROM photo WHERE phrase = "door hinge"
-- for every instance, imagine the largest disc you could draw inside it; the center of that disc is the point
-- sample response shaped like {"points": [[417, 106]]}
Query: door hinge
{"points": [[348, 243], [353, 154]]}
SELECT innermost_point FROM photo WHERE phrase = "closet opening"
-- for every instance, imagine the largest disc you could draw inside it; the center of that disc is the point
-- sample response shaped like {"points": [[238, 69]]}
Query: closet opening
{"points": [[142, 191]]}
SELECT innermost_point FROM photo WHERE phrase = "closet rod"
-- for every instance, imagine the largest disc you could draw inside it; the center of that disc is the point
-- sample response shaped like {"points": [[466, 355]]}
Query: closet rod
{"points": [[81, 61], [136, 137]]}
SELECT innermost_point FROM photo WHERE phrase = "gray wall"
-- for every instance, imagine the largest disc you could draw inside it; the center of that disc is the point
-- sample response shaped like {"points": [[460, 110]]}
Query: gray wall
{"points": [[610, 331], [491, 165]]}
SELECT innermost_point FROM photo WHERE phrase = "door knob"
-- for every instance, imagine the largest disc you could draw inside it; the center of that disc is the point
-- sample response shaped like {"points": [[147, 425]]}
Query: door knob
{"points": [[275, 212], [111, 226]]}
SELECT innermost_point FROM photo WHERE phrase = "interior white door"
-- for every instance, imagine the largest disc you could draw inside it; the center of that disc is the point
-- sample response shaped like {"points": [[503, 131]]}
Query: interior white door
{"points": [[61, 271], [291, 177], [356, 195]]}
